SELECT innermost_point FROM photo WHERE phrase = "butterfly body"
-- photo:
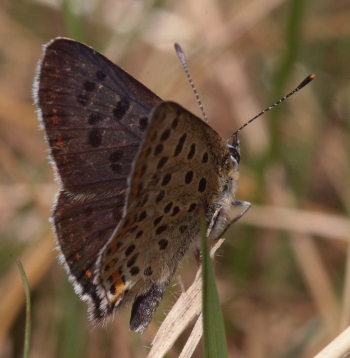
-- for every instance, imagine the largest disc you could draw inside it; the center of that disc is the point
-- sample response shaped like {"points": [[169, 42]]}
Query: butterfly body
{"points": [[135, 173]]}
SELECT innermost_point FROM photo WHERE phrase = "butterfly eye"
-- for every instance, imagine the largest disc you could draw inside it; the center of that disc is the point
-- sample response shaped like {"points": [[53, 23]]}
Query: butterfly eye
{"points": [[234, 149], [235, 156]]}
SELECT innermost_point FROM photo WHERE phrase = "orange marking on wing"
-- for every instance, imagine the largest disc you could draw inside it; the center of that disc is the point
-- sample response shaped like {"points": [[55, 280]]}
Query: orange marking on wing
{"points": [[134, 192], [137, 173], [118, 285], [59, 142], [124, 231], [132, 221], [140, 170], [54, 117], [88, 273], [145, 153]]}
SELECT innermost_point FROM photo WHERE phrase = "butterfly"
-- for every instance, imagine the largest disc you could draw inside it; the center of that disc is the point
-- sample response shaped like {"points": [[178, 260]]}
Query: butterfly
{"points": [[135, 174]]}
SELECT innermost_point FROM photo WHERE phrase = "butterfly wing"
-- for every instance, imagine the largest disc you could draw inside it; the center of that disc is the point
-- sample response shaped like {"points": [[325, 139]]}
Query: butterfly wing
{"points": [[95, 116], [182, 167]]}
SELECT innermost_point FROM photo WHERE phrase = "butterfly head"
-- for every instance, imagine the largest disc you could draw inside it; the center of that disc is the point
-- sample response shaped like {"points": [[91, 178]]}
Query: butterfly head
{"points": [[233, 142]]}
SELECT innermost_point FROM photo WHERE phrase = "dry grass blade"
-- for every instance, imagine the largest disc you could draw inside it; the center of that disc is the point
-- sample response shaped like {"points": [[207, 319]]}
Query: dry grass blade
{"points": [[186, 308], [345, 311], [317, 279], [193, 339], [301, 221], [338, 348]]}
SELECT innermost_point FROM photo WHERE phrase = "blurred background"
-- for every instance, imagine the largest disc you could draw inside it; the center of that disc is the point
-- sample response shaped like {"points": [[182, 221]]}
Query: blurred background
{"points": [[283, 273]]}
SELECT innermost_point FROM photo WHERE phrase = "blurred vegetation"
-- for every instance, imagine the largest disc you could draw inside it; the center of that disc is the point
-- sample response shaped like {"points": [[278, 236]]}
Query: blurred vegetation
{"points": [[283, 273]]}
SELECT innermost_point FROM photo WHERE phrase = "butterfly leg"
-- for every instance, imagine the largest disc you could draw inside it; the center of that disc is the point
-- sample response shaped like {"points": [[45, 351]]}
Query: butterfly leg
{"points": [[239, 208], [243, 206], [213, 220]]}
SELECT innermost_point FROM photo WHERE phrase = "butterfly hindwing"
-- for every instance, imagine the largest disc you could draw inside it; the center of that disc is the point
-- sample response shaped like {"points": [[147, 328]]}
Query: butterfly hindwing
{"points": [[176, 174]]}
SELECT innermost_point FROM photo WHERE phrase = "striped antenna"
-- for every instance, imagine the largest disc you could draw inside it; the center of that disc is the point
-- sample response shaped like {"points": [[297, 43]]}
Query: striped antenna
{"points": [[307, 80], [181, 55]]}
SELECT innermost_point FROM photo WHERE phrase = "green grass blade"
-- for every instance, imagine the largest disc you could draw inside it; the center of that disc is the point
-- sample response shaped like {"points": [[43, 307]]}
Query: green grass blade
{"points": [[214, 338], [293, 36], [28, 309], [73, 21]]}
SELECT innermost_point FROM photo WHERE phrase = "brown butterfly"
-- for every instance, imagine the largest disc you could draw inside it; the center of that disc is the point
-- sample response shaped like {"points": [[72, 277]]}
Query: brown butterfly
{"points": [[135, 173]]}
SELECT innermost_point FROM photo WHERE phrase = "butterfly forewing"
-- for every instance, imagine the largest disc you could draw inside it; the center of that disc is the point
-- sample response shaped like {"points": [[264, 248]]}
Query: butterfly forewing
{"points": [[95, 116], [182, 167]]}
